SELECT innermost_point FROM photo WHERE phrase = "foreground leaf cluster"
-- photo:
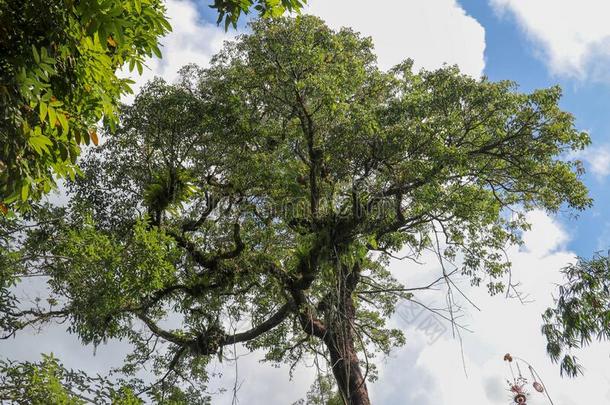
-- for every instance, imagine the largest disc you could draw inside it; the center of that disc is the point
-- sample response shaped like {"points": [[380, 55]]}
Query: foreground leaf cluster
{"points": [[58, 64]]}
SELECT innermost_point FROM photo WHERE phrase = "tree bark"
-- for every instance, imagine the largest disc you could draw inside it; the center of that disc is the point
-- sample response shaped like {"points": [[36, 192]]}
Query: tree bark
{"points": [[347, 371], [336, 330], [341, 345]]}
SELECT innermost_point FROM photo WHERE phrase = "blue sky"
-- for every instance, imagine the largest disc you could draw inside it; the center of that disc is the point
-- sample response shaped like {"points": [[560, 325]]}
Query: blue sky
{"points": [[511, 54]]}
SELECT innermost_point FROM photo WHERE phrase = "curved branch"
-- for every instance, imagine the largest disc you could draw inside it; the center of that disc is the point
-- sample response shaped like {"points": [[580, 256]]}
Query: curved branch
{"points": [[165, 334], [209, 341], [210, 261], [271, 322]]}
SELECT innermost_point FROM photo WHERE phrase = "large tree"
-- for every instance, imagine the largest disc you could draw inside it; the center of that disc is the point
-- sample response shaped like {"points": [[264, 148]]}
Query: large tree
{"points": [[58, 65], [258, 202]]}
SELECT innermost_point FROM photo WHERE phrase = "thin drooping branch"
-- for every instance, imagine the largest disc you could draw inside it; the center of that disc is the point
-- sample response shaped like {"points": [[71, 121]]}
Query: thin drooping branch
{"points": [[37, 317]]}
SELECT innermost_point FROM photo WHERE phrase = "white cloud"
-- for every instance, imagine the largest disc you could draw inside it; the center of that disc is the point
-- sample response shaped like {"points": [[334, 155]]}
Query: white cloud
{"points": [[598, 160], [430, 32], [191, 41], [573, 36], [503, 325], [546, 237], [260, 383]]}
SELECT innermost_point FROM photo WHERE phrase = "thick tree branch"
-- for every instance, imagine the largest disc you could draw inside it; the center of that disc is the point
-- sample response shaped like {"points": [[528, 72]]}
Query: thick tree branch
{"points": [[210, 261]]}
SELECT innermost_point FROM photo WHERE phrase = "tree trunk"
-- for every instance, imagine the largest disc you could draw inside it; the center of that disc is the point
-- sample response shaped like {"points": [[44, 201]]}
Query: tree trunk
{"points": [[337, 331], [341, 346], [347, 371]]}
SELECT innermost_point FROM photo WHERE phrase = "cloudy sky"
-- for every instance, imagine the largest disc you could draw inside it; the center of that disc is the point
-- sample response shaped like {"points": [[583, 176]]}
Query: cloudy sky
{"points": [[535, 43]]}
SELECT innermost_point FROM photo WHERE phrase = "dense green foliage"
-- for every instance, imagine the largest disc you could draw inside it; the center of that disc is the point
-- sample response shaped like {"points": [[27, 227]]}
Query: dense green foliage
{"points": [[582, 311], [58, 64], [48, 382], [258, 202], [231, 10], [58, 60]]}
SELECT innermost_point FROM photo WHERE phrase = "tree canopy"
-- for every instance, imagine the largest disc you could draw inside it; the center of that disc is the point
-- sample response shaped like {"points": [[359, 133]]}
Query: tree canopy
{"points": [[258, 202], [58, 64]]}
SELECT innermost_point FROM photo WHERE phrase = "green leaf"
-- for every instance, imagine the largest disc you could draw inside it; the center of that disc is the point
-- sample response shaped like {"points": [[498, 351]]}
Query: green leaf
{"points": [[25, 191], [165, 24], [40, 143], [43, 111], [52, 116], [63, 120], [36, 55], [156, 51], [63, 151], [373, 242]]}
